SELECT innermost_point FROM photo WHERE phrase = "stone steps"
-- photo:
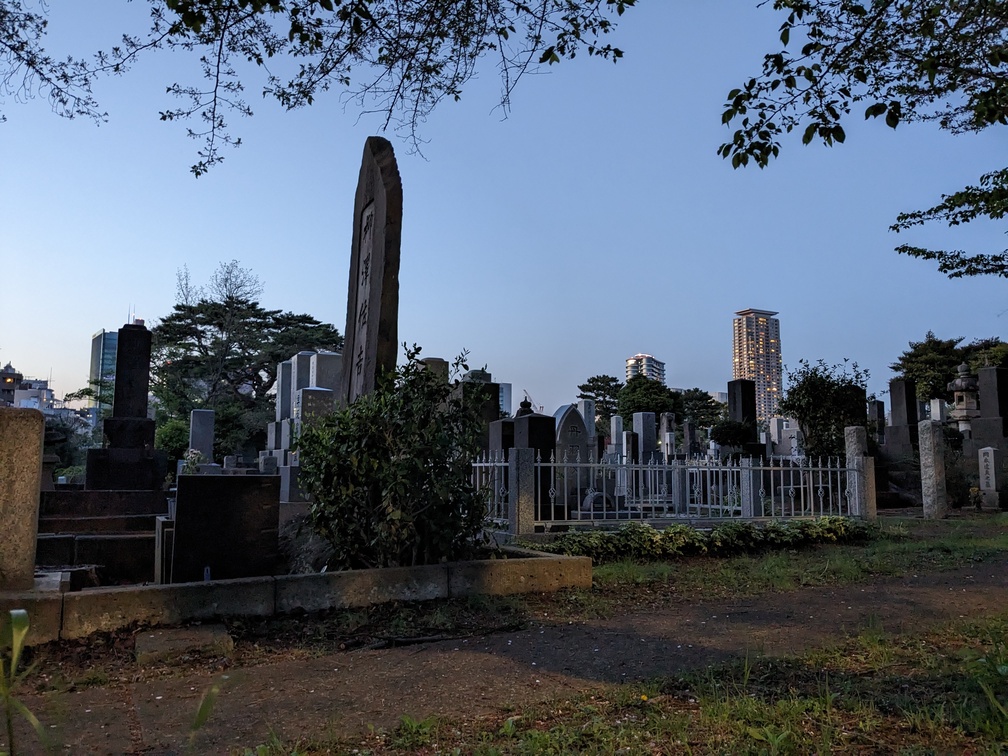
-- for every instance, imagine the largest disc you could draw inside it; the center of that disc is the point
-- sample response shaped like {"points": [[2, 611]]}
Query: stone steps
{"points": [[101, 524]]}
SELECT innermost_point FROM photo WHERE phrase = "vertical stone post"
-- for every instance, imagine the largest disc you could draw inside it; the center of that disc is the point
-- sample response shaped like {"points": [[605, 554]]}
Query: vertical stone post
{"points": [[521, 491], [749, 491], [21, 435], [856, 442], [932, 466]]}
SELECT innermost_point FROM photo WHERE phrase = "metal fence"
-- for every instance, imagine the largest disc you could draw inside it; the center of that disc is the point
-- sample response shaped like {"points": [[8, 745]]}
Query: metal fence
{"points": [[552, 494]]}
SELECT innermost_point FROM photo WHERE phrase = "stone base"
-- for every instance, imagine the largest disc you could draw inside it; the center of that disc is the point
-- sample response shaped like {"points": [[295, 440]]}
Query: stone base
{"points": [[125, 470], [290, 491]]}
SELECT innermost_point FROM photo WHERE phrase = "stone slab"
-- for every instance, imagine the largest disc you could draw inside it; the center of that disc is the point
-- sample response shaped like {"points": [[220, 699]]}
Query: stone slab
{"points": [[533, 574], [68, 503], [45, 612], [169, 643], [201, 432], [104, 609], [21, 435], [355, 588], [122, 557]]}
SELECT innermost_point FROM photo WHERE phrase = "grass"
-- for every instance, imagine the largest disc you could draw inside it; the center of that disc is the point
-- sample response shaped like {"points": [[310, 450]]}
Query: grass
{"points": [[900, 548], [937, 692], [881, 692]]}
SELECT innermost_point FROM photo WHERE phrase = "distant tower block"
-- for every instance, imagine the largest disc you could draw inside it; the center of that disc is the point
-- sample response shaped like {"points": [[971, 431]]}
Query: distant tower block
{"points": [[646, 365], [756, 357]]}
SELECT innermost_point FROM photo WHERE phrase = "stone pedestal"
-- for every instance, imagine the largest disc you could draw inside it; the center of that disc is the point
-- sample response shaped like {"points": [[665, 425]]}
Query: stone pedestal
{"points": [[21, 435]]}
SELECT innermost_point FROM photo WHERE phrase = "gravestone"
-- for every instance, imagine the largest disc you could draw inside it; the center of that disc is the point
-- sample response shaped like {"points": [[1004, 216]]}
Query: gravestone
{"points": [[438, 366], [300, 377], [538, 432], [201, 432], [991, 427], [990, 473], [284, 394], [876, 420], [312, 402], [645, 428], [371, 334], [21, 435], [902, 434], [573, 446], [227, 524], [742, 405], [129, 463], [325, 370], [587, 409]]}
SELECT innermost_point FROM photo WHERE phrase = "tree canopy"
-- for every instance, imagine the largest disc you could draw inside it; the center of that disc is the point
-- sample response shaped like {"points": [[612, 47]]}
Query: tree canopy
{"points": [[700, 408], [825, 399], [219, 349], [399, 58], [604, 391], [938, 61], [932, 363], [641, 394]]}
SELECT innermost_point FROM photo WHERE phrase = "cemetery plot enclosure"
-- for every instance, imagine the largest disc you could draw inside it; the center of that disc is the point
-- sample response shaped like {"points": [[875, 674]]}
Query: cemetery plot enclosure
{"points": [[558, 494]]}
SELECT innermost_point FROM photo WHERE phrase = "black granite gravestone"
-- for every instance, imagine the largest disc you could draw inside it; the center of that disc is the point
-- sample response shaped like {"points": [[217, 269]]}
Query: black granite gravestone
{"points": [[225, 527], [742, 405], [129, 463]]}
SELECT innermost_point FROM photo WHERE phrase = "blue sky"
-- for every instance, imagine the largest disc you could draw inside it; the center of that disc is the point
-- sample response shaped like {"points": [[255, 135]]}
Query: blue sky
{"points": [[594, 222]]}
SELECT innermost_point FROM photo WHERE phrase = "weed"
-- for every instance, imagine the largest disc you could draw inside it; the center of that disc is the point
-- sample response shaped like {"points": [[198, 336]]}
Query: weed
{"points": [[415, 733], [15, 632]]}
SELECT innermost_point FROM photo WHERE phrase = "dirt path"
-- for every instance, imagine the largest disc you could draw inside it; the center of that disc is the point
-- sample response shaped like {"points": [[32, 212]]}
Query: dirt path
{"points": [[349, 691]]}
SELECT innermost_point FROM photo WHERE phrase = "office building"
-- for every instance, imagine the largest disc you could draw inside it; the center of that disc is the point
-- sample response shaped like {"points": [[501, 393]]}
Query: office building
{"points": [[646, 365], [756, 356], [103, 363]]}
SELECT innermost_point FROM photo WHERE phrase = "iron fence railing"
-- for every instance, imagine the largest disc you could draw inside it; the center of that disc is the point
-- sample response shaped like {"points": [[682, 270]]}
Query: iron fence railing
{"points": [[569, 492]]}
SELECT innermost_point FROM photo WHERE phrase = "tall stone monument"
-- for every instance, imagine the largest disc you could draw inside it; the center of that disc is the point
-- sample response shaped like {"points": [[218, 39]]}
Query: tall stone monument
{"points": [[371, 335]]}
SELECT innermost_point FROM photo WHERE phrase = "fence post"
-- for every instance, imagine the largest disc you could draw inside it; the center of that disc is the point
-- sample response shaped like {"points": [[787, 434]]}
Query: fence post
{"points": [[747, 494], [856, 443], [521, 491], [932, 466]]}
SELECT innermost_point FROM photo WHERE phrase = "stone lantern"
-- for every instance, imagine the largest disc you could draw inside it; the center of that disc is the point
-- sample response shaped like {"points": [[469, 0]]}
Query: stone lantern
{"points": [[965, 404]]}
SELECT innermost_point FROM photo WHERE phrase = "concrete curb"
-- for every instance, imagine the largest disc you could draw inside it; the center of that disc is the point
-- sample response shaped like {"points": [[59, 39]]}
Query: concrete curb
{"points": [[65, 616]]}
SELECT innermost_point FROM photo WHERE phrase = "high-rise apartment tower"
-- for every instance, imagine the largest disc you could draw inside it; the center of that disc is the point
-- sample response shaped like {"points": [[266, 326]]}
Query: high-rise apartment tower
{"points": [[756, 356], [646, 365]]}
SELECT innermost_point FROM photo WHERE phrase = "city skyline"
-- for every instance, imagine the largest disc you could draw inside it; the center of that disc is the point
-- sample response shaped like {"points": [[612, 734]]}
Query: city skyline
{"points": [[595, 222]]}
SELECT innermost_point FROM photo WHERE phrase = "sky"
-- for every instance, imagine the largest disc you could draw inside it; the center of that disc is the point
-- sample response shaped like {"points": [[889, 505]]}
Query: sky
{"points": [[594, 222]]}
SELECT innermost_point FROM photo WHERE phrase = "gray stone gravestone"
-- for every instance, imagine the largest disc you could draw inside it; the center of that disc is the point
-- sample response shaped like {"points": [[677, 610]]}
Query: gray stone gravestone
{"points": [[371, 334], [646, 429], [300, 377], [325, 370], [990, 472], [284, 394]]}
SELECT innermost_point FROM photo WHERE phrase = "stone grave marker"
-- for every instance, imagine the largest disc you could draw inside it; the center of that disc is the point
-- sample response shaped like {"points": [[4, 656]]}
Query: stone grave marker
{"points": [[21, 434], [990, 471], [201, 432], [371, 334], [325, 370]]}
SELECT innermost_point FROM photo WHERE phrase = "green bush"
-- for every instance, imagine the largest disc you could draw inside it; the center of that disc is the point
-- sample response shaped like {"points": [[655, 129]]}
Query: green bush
{"points": [[390, 475], [643, 543]]}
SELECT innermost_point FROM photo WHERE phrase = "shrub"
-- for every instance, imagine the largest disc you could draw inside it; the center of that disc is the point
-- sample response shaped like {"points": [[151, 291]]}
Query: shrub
{"points": [[390, 475], [640, 542]]}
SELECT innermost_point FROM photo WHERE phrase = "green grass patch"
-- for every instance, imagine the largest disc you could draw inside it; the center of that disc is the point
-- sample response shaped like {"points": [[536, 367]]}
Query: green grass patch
{"points": [[944, 691]]}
